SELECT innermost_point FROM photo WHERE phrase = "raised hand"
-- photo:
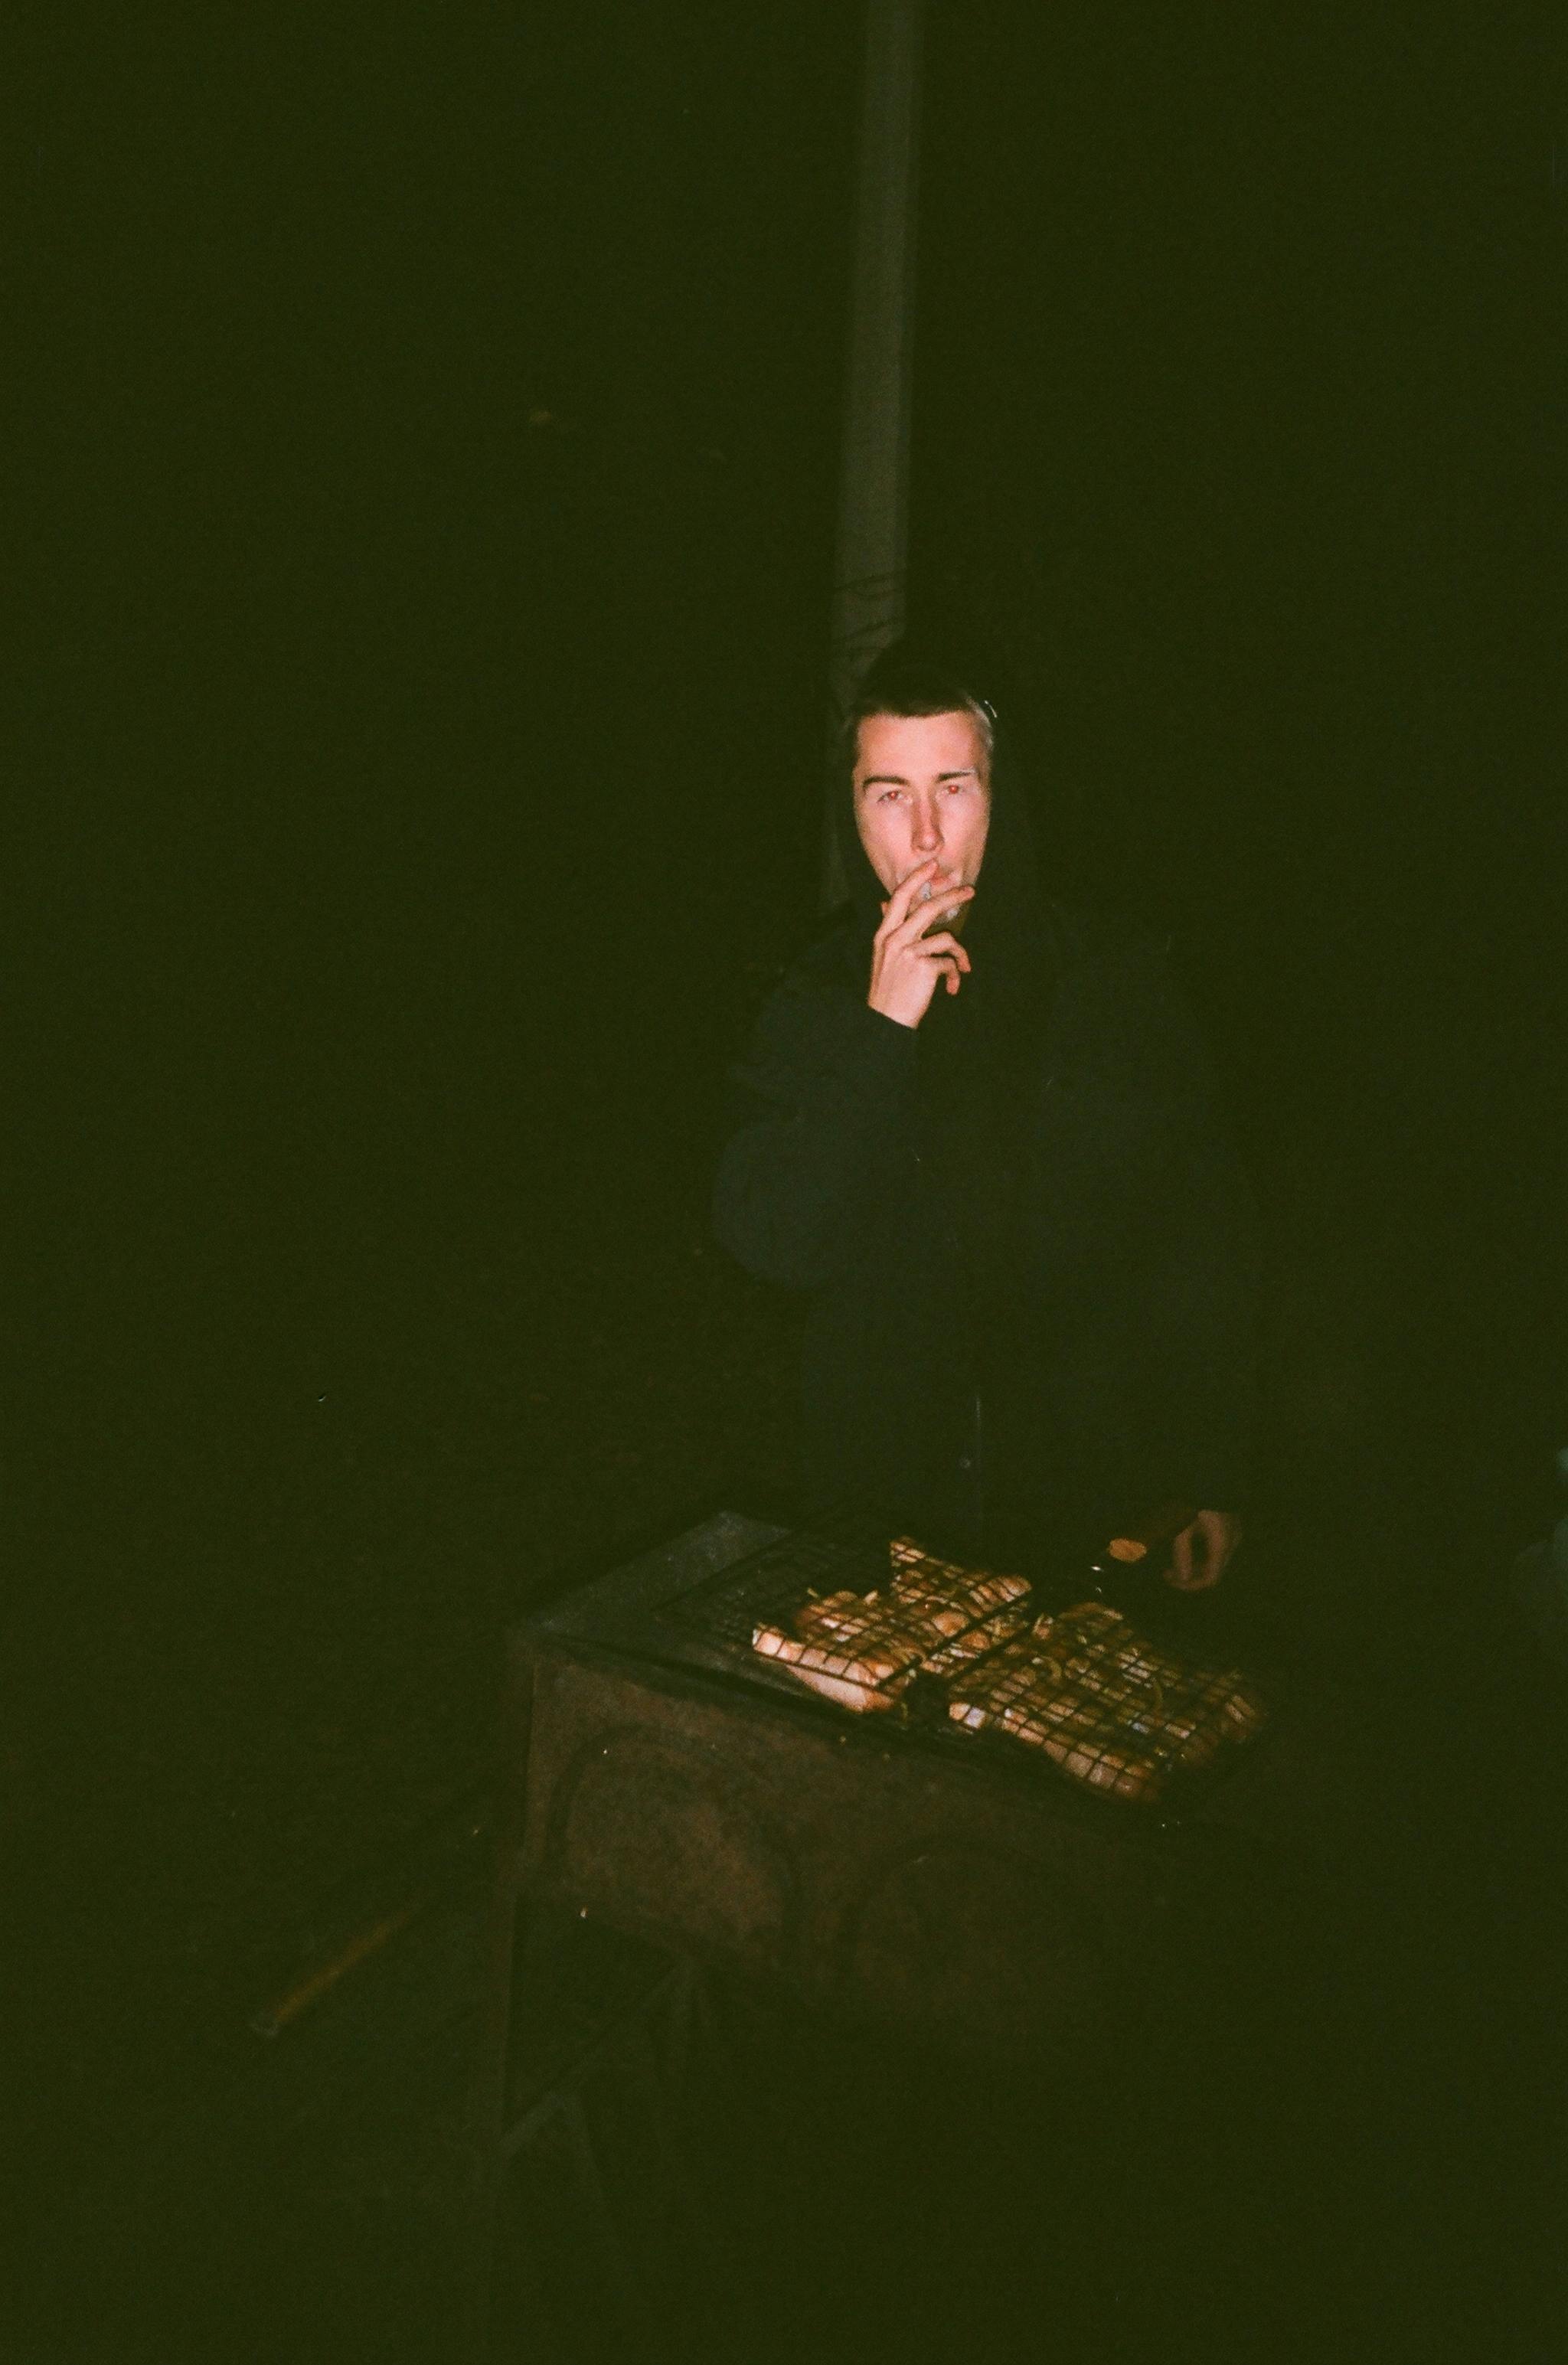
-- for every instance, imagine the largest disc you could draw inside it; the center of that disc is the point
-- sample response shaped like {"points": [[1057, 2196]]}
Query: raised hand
{"points": [[1200, 1554], [907, 963]]}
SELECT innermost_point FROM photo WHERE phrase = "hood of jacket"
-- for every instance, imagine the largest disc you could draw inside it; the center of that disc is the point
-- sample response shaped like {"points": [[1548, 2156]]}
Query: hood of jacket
{"points": [[980, 1050]]}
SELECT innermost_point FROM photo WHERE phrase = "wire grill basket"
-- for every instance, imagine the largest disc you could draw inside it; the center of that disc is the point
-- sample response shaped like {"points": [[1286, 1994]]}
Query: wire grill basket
{"points": [[965, 1655]]}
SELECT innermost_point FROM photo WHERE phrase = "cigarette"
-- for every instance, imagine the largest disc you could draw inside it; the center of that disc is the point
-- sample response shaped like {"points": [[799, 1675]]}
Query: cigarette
{"points": [[954, 919]]}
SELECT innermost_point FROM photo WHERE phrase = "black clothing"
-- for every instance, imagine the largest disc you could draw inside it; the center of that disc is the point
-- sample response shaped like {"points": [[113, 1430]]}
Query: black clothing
{"points": [[1028, 1249], [974, 1050], [1031, 1313]]}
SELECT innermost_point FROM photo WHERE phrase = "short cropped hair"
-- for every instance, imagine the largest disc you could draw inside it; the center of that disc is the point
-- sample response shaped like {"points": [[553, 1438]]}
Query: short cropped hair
{"points": [[906, 682]]}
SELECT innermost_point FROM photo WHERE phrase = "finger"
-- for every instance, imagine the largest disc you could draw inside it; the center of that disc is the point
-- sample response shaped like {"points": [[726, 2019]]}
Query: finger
{"points": [[896, 908], [1182, 1572], [945, 906], [945, 946], [920, 927], [1218, 1539], [925, 895]]}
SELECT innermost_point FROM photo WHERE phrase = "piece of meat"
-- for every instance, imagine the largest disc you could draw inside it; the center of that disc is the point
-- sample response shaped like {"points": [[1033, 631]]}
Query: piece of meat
{"points": [[1104, 1762], [907, 1558], [944, 1595], [1142, 1707], [1212, 1706], [1017, 1683], [1111, 1710], [863, 1662], [1024, 1692], [832, 1615], [853, 1692], [1081, 1686], [863, 1650], [973, 1645]]}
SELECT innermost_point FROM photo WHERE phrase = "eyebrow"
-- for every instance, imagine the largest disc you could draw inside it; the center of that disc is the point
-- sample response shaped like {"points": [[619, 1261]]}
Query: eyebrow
{"points": [[897, 780]]}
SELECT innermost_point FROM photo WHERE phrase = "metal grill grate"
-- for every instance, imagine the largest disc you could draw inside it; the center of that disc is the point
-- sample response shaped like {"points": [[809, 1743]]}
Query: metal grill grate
{"points": [[841, 1553], [1087, 1696]]}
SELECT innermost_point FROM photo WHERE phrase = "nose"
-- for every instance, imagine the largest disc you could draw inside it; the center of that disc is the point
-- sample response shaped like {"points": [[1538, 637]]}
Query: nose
{"points": [[926, 835]]}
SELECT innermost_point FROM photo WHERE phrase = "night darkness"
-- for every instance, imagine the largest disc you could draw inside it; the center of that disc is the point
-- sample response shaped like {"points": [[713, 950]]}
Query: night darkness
{"points": [[437, 423]]}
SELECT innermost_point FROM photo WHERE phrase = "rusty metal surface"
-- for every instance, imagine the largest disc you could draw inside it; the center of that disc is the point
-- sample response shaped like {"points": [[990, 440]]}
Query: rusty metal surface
{"points": [[681, 1791]]}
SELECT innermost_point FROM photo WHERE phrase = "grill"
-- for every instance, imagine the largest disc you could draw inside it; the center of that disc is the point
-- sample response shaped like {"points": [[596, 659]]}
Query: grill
{"points": [[891, 1875], [667, 1779], [1173, 1731], [839, 1552]]}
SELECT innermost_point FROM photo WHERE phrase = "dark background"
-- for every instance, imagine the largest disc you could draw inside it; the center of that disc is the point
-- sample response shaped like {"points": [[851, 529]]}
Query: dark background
{"points": [[436, 423]]}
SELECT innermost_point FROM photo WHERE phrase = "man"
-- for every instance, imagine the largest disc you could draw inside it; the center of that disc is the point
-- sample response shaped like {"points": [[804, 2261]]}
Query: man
{"points": [[977, 1128]]}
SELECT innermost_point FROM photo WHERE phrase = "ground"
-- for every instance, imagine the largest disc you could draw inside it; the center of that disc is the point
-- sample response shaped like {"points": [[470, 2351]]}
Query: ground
{"points": [[296, 1743]]}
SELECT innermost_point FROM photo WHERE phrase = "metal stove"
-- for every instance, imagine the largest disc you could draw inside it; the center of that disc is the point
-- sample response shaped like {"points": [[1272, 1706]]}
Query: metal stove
{"points": [[891, 1876], [666, 1780]]}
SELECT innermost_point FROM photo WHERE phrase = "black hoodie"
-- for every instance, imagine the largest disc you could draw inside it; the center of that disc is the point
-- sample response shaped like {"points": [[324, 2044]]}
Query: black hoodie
{"points": [[1029, 1247]]}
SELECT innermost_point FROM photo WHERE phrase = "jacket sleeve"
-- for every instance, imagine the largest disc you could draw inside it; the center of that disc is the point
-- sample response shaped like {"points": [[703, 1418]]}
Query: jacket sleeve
{"points": [[818, 1116]]}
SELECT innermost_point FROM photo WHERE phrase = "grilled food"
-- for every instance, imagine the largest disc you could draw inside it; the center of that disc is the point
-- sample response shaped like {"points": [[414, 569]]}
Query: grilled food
{"points": [[1101, 1650], [1024, 1691], [1082, 1686], [1103, 1704], [863, 1650], [850, 1648]]}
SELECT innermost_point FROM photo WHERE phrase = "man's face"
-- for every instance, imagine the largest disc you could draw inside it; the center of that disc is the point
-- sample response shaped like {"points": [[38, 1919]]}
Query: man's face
{"points": [[923, 791]]}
